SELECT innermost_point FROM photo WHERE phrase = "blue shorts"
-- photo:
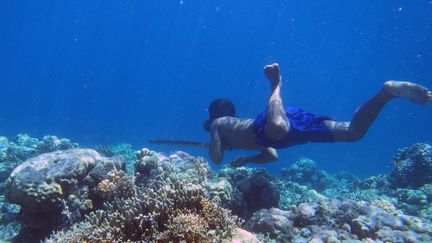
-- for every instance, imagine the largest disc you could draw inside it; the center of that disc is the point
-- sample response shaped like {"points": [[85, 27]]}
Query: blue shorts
{"points": [[305, 127]]}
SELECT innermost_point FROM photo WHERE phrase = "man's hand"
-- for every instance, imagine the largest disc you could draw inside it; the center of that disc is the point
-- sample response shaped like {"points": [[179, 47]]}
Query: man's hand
{"points": [[239, 161], [266, 156]]}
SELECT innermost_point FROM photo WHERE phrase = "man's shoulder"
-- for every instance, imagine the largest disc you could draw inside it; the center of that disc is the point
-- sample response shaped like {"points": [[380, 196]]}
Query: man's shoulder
{"points": [[230, 119], [230, 122]]}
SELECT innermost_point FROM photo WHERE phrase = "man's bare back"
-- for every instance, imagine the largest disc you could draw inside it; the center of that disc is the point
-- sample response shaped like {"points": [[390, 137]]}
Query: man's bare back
{"points": [[281, 127], [236, 133]]}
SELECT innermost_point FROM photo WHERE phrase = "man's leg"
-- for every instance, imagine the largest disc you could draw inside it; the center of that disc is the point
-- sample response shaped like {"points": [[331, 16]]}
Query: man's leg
{"points": [[366, 114], [276, 126]]}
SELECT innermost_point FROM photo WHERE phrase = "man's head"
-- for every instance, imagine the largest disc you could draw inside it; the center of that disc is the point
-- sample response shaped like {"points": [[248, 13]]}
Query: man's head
{"points": [[219, 108]]}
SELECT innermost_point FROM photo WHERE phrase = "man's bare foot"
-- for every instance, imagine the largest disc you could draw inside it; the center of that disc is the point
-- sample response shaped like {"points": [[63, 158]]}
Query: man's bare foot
{"points": [[411, 91], [272, 73]]}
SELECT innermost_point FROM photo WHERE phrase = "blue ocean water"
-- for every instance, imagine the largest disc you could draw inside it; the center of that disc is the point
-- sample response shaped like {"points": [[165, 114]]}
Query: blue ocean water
{"points": [[105, 72]]}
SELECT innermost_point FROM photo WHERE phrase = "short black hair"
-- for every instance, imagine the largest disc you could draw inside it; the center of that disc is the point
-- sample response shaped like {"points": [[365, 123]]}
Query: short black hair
{"points": [[219, 108]]}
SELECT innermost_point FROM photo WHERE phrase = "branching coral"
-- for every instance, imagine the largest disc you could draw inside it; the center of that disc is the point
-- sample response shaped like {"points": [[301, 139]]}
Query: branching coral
{"points": [[153, 216], [185, 226]]}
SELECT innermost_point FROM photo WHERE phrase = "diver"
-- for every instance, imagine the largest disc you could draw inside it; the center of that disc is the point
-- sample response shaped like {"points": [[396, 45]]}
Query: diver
{"points": [[279, 127]]}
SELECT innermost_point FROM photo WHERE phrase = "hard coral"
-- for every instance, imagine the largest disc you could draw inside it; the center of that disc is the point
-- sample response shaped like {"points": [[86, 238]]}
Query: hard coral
{"points": [[122, 150], [153, 169], [412, 166], [42, 184], [172, 213], [303, 171], [338, 220], [22, 147], [306, 173], [118, 184], [253, 189], [220, 190], [147, 161], [53, 143], [189, 227]]}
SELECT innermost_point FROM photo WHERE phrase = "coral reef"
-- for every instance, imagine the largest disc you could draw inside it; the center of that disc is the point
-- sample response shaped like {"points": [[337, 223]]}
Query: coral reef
{"points": [[304, 172], [73, 195], [241, 235], [415, 201], [22, 147], [174, 213], [253, 189], [53, 143], [155, 169], [335, 220], [169, 204], [41, 185], [118, 184], [273, 221], [9, 225], [412, 166], [123, 150], [220, 190]]}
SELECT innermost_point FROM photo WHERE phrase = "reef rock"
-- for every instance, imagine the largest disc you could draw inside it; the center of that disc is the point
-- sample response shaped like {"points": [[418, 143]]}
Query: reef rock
{"points": [[412, 166]]}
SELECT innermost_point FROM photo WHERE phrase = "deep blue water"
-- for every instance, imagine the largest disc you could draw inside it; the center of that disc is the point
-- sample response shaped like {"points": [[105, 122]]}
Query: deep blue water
{"points": [[104, 72]]}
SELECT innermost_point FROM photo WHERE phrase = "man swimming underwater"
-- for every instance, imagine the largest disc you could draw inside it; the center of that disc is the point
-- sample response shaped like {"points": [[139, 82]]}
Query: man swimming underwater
{"points": [[277, 127]]}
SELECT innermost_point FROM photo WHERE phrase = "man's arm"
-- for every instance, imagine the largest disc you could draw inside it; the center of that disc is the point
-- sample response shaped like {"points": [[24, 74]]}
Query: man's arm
{"points": [[216, 150], [266, 156]]}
